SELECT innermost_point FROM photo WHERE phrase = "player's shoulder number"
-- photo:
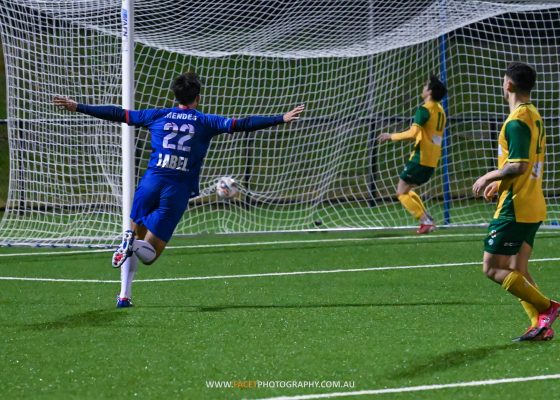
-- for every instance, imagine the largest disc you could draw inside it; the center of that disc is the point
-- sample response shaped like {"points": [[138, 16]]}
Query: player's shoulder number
{"points": [[440, 119], [540, 138]]}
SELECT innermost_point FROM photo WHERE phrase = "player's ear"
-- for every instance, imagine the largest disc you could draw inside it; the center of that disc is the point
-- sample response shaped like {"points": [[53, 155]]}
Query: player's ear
{"points": [[509, 85]]}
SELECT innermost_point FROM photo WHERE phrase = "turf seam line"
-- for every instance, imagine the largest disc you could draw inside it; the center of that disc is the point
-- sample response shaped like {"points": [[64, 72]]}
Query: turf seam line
{"points": [[268, 274], [417, 388]]}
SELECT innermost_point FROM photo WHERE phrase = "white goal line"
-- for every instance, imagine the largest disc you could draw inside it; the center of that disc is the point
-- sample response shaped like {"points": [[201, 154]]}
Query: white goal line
{"points": [[267, 243], [269, 274], [422, 388]]}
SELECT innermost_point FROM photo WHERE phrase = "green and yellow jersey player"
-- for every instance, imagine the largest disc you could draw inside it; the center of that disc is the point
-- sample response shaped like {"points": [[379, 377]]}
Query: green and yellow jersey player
{"points": [[521, 204], [427, 133]]}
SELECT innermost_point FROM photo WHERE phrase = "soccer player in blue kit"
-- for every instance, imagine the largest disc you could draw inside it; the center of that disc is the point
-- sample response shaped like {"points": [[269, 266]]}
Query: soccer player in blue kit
{"points": [[180, 137]]}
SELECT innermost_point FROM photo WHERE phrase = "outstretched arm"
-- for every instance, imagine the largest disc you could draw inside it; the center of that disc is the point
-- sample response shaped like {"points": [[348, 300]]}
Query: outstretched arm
{"points": [[294, 114], [409, 134], [256, 122], [109, 113], [65, 103], [420, 118]]}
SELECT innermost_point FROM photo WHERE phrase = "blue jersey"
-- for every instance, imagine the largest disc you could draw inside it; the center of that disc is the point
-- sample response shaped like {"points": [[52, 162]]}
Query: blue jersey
{"points": [[180, 140], [180, 136]]}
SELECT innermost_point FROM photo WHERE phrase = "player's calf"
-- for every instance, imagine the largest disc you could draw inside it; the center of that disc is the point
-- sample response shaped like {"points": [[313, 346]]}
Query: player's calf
{"points": [[145, 251]]}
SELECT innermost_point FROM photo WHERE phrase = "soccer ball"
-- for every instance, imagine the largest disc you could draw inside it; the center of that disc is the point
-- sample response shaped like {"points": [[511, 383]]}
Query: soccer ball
{"points": [[227, 188]]}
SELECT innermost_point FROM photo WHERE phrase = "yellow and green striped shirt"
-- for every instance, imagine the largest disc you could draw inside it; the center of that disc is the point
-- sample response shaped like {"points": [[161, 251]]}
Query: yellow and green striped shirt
{"points": [[427, 131], [522, 139]]}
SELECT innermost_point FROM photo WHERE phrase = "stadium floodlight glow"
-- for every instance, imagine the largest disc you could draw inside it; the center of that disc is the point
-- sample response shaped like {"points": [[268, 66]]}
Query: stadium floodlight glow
{"points": [[358, 66]]}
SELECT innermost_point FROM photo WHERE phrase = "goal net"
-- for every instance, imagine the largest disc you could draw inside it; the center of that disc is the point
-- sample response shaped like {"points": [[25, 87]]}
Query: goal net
{"points": [[359, 67]]}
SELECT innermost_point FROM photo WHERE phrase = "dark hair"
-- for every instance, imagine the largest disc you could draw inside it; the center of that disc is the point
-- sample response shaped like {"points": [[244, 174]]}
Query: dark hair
{"points": [[186, 87], [523, 76], [437, 87]]}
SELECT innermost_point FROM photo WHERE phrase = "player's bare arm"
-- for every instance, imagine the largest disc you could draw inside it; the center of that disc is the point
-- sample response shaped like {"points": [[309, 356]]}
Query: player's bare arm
{"points": [[509, 170], [294, 114], [491, 190], [66, 103], [384, 137]]}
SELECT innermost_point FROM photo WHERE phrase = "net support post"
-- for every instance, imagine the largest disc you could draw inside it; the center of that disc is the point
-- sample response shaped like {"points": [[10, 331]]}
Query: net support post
{"points": [[127, 132], [446, 140]]}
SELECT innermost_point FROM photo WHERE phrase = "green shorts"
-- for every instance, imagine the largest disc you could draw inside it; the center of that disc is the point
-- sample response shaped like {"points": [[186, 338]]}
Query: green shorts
{"points": [[506, 236], [416, 174]]}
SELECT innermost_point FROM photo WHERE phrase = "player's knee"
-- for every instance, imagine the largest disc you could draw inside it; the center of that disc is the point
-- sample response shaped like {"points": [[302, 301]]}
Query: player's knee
{"points": [[493, 264], [150, 262], [402, 190], [489, 271]]}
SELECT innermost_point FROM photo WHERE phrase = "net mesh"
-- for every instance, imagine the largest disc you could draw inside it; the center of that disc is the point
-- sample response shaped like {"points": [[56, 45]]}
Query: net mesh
{"points": [[359, 66]]}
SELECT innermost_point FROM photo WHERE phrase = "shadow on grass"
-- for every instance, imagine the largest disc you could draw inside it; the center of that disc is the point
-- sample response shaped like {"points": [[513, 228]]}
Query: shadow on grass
{"points": [[310, 246], [228, 307], [93, 318], [279, 247], [453, 359]]}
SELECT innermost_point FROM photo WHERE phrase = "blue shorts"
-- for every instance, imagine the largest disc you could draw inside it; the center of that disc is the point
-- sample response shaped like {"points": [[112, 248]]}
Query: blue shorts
{"points": [[159, 203]]}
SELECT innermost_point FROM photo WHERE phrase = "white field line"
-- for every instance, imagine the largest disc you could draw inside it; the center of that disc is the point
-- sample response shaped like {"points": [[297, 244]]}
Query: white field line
{"points": [[273, 243], [269, 274], [59, 280], [53, 253], [418, 388]]}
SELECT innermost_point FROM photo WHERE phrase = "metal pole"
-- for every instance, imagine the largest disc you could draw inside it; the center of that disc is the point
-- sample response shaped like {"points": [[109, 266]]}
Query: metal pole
{"points": [[127, 132], [446, 133]]}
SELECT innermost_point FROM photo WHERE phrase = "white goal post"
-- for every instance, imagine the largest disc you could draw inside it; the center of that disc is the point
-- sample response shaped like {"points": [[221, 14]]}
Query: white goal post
{"points": [[359, 67], [127, 132]]}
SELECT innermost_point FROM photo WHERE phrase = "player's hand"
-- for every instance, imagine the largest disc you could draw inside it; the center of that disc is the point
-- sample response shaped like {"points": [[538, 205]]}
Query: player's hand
{"points": [[65, 103], [491, 191], [294, 114], [383, 137], [480, 186]]}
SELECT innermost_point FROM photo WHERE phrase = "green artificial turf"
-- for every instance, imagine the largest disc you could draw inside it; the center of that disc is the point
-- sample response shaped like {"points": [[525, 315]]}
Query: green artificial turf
{"points": [[379, 329]]}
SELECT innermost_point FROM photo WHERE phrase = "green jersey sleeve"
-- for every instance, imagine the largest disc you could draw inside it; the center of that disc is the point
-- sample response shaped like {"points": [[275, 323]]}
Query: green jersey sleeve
{"points": [[518, 136], [422, 116]]}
